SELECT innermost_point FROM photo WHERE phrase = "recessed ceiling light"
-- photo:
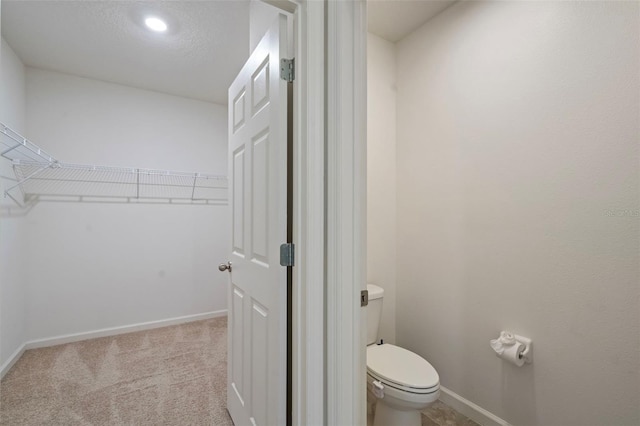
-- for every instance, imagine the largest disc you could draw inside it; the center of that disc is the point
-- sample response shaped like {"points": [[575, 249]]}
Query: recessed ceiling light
{"points": [[156, 24]]}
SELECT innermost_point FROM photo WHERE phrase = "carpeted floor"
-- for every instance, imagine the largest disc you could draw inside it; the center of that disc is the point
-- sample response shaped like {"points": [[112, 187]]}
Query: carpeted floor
{"points": [[168, 376]]}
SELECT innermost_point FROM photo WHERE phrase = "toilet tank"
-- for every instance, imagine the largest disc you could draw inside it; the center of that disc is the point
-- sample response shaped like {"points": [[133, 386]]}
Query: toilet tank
{"points": [[374, 312]]}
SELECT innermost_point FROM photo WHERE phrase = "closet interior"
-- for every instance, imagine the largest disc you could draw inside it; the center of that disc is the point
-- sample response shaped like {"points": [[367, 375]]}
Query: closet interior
{"points": [[113, 166]]}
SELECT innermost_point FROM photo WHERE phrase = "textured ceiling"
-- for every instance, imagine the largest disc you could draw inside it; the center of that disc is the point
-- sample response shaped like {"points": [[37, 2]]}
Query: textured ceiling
{"points": [[205, 46], [395, 19], [198, 57]]}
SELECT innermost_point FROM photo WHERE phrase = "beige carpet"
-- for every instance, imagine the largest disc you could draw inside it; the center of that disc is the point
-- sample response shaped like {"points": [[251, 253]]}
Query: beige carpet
{"points": [[168, 376]]}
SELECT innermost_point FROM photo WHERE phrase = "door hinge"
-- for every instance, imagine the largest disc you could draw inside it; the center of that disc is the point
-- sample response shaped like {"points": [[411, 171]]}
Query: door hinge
{"points": [[364, 297], [287, 254], [288, 69]]}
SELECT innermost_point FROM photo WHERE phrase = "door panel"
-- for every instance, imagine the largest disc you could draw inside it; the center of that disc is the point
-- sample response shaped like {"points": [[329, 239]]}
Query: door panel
{"points": [[237, 186], [238, 111], [260, 330], [260, 201], [260, 87], [257, 375], [236, 371]]}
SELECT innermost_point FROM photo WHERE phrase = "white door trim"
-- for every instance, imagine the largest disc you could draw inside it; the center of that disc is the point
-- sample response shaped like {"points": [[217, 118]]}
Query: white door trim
{"points": [[346, 212], [329, 365], [309, 217], [308, 211]]}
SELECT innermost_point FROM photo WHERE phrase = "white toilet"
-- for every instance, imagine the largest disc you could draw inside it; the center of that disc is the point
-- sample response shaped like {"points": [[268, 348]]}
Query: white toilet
{"points": [[402, 382]]}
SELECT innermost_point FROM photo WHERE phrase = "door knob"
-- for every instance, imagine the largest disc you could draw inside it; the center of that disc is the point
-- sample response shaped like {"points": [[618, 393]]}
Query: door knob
{"points": [[225, 266]]}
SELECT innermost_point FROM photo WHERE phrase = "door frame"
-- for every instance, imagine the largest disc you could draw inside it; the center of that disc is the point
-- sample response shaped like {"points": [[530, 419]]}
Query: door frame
{"points": [[308, 316], [346, 211], [329, 223]]}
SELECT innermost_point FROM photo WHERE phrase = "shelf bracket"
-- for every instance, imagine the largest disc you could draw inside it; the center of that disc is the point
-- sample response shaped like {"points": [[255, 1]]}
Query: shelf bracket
{"points": [[6, 151], [20, 182]]}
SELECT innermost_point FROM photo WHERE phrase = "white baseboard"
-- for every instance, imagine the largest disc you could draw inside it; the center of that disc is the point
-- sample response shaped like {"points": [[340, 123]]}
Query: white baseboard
{"points": [[12, 360], [469, 409], [113, 331]]}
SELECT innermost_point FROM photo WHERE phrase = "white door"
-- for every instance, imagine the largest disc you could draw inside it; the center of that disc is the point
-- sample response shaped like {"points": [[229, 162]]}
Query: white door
{"points": [[257, 374]]}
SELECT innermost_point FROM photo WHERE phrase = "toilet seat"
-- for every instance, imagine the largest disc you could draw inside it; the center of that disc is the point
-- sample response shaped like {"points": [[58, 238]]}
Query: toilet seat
{"points": [[405, 389], [401, 369]]}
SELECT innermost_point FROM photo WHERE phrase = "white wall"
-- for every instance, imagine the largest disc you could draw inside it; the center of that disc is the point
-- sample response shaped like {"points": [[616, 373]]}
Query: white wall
{"points": [[13, 237], [518, 205], [105, 265], [261, 16], [381, 177]]}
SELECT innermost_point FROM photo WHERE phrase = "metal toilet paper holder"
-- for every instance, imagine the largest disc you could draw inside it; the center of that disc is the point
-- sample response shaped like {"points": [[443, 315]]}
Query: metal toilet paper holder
{"points": [[527, 354]]}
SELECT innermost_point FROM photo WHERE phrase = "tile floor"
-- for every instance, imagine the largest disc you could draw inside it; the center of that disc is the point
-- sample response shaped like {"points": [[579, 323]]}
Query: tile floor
{"points": [[439, 414]]}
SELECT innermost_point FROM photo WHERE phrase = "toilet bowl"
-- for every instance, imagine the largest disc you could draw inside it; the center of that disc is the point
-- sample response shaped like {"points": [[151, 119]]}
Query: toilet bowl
{"points": [[402, 382]]}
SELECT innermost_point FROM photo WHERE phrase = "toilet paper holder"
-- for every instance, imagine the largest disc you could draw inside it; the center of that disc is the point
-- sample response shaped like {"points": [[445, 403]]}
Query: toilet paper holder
{"points": [[503, 347], [527, 354]]}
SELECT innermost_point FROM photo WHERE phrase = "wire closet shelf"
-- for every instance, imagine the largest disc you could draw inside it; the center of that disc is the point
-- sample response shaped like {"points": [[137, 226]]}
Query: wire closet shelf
{"points": [[41, 177]]}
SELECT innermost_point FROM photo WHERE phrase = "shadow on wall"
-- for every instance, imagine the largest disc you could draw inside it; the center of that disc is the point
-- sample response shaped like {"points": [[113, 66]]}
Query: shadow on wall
{"points": [[518, 393], [13, 210]]}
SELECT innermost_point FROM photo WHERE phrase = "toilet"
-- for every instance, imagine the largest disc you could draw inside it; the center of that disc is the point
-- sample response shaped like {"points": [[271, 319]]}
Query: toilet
{"points": [[402, 382]]}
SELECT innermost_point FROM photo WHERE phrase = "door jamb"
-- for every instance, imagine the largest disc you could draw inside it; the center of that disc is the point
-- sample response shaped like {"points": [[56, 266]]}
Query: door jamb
{"points": [[346, 211], [329, 326], [309, 403], [308, 316]]}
